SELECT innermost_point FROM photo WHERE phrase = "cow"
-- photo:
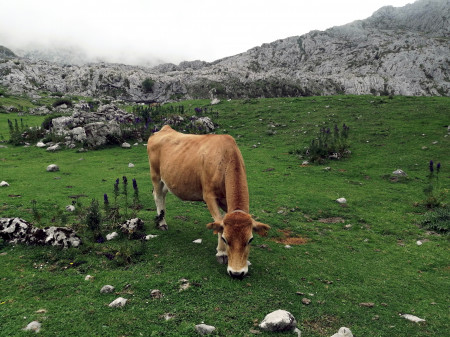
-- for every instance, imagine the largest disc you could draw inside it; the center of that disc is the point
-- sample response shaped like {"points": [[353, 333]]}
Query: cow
{"points": [[207, 168]]}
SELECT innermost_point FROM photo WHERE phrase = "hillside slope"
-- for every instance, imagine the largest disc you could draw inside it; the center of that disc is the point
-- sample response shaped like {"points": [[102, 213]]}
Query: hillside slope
{"points": [[398, 51]]}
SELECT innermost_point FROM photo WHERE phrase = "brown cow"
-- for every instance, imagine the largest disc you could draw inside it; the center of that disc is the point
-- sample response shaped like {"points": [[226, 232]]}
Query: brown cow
{"points": [[206, 168]]}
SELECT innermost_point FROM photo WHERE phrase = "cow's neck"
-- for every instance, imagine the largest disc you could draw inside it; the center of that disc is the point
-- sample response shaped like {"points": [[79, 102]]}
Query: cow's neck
{"points": [[236, 185]]}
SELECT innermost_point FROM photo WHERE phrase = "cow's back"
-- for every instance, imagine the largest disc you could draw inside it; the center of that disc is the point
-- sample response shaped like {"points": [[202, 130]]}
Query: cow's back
{"points": [[187, 164]]}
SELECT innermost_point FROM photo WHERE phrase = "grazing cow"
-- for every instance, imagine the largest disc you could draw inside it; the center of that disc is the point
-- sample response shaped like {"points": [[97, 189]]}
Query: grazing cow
{"points": [[206, 168]]}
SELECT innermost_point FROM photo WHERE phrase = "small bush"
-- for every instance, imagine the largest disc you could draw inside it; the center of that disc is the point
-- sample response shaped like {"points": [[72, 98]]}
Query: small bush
{"points": [[437, 220], [47, 123], [94, 217], [147, 85], [62, 101]]}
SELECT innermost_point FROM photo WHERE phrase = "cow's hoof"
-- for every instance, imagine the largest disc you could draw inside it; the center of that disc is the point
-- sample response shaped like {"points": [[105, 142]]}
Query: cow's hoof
{"points": [[163, 227], [222, 258]]}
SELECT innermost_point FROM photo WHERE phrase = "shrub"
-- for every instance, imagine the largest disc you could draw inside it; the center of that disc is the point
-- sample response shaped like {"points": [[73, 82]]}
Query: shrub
{"points": [[437, 220], [434, 195], [329, 144], [147, 85], [62, 101]]}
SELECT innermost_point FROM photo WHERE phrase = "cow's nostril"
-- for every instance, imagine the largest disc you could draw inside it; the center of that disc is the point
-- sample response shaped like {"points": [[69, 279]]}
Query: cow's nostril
{"points": [[238, 275]]}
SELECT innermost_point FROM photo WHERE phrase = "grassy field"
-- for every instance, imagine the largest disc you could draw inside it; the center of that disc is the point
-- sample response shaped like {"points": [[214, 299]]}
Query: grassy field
{"points": [[363, 252]]}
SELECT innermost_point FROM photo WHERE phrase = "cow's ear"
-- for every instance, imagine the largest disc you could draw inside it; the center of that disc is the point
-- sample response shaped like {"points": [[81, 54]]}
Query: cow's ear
{"points": [[260, 228], [216, 226]]}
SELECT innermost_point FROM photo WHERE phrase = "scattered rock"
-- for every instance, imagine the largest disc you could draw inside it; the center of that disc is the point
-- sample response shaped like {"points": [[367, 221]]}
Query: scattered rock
{"points": [[41, 311], [288, 246], [204, 329], [130, 165], [33, 326], [118, 302], [132, 225], [168, 316], [341, 200], [70, 208], [52, 168], [54, 148], [367, 304], [399, 173], [4, 184], [150, 236], [305, 163], [198, 241], [16, 230], [126, 145], [412, 318], [111, 236], [89, 278], [40, 144], [215, 101], [156, 293], [107, 289], [343, 332], [279, 320], [184, 284], [419, 243]]}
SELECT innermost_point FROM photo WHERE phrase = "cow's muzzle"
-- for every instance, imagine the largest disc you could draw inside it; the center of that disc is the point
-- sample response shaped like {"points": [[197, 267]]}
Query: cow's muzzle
{"points": [[239, 275]]}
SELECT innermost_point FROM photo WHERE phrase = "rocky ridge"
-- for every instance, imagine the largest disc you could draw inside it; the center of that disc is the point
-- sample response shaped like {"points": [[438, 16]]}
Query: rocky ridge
{"points": [[397, 51]]}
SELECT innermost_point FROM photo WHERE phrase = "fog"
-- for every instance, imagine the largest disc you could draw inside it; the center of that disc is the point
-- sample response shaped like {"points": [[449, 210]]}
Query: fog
{"points": [[146, 31]]}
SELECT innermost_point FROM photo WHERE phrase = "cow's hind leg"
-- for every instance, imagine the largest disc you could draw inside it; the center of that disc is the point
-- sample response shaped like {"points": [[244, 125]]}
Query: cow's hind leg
{"points": [[159, 193]]}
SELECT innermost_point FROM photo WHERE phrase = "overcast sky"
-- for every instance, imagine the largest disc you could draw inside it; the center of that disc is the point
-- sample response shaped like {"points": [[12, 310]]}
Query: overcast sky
{"points": [[129, 31]]}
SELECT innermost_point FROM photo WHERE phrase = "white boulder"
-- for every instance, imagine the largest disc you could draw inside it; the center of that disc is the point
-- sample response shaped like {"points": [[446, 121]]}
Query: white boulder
{"points": [[343, 332], [33, 326], [341, 200], [118, 302], [111, 236], [107, 289], [279, 320], [54, 148], [52, 168], [204, 329], [4, 184]]}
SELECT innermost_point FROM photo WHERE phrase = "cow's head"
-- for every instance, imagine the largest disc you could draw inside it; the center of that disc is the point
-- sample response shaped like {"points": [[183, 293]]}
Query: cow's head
{"points": [[236, 231]]}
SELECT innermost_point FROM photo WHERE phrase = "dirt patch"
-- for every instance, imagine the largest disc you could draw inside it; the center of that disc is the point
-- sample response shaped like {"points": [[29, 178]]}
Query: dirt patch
{"points": [[325, 325], [289, 238], [332, 220]]}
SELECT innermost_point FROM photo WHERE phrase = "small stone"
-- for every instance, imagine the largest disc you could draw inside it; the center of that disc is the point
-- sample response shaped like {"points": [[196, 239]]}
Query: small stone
{"points": [[156, 293], [399, 173], [305, 163], [52, 168], [327, 168], [367, 304], [41, 311], [215, 101], [343, 332], [306, 301], [168, 316], [107, 289], [4, 184], [118, 302], [150, 236], [279, 320], [348, 226], [412, 318], [419, 243], [70, 208], [54, 148], [40, 144], [89, 278], [184, 284], [126, 145], [111, 236], [33, 326], [204, 329], [130, 165], [288, 247], [341, 201], [198, 241]]}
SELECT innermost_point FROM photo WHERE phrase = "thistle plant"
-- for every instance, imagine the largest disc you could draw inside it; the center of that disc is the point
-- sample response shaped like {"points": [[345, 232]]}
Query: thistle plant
{"points": [[434, 195], [136, 194], [125, 193]]}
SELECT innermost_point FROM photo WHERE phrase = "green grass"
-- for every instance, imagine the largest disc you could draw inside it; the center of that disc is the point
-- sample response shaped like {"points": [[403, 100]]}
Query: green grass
{"points": [[376, 259]]}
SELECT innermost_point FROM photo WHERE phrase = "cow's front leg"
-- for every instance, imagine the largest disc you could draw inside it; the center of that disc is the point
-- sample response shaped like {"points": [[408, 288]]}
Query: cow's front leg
{"points": [[159, 193], [213, 207], [221, 256]]}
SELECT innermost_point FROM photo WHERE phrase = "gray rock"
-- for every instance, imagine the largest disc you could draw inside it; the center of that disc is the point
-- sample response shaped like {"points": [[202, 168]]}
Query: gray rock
{"points": [[399, 173], [204, 329], [118, 302], [156, 293], [4, 184], [40, 144], [33, 326], [16, 230], [54, 148], [279, 320], [343, 332], [341, 200], [52, 168], [126, 145], [132, 225], [111, 236], [107, 289], [70, 208]]}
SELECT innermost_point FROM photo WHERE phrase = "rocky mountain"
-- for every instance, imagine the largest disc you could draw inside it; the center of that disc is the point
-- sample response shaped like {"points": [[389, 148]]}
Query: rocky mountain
{"points": [[398, 51]]}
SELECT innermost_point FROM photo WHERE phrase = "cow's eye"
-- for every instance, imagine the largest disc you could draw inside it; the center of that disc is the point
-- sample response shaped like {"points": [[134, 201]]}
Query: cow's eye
{"points": [[249, 241], [223, 239]]}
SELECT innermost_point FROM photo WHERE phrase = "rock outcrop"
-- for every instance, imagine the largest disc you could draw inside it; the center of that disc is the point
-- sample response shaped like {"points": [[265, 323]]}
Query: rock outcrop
{"points": [[397, 51]]}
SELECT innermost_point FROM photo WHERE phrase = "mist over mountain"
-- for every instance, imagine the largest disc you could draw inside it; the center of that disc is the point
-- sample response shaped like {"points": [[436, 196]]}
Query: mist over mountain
{"points": [[396, 51]]}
